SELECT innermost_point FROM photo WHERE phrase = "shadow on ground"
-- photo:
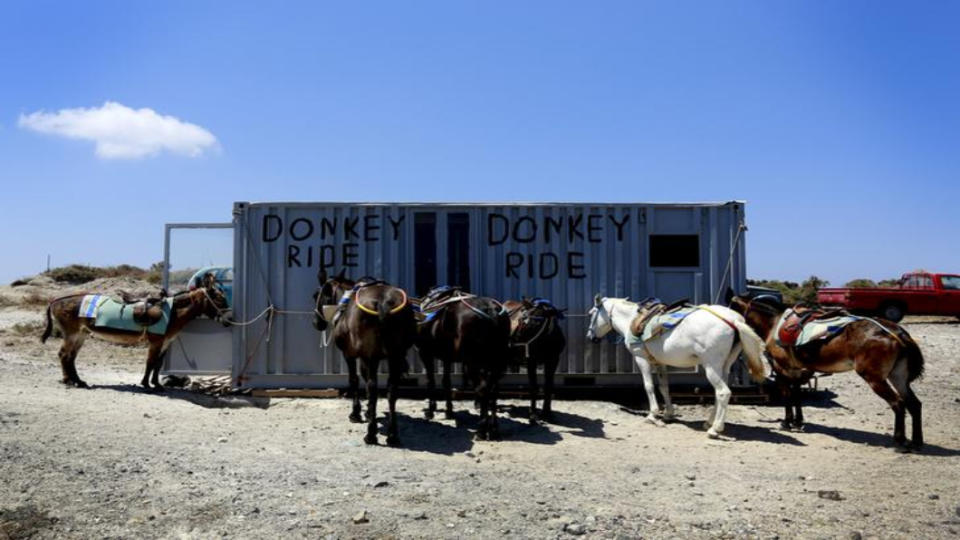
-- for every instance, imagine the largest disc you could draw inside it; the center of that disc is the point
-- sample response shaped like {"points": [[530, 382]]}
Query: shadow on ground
{"points": [[580, 426], [197, 398], [873, 438]]}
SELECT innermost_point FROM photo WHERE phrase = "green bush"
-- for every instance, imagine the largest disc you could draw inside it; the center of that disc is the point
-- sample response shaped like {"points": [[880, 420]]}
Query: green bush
{"points": [[74, 274], [793, 293]]}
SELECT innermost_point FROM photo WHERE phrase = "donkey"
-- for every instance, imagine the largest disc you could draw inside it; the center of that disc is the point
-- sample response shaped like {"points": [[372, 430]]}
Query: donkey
{"points": [[374, 322], [712, 336], [537, 339], [475, 332], [63, 314], [880, 351]]}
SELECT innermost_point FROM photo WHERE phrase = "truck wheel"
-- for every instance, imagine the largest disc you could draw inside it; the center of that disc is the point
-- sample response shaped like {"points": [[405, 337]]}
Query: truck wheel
{"points": [[892, 312]]}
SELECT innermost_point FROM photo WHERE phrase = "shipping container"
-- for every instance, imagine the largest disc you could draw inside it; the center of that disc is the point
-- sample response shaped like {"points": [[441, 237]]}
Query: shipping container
{"points": [[566, 252]]}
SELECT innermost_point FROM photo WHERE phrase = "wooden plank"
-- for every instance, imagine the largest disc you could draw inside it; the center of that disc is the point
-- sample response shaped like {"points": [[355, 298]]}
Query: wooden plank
{"points": [[297, 393]]}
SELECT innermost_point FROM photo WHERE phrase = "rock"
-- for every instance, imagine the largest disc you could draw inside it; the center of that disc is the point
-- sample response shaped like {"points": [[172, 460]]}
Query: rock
{"points": [[382, 483], [575, 529], [222, 440], [470, 455], [855, 535], [829, 494], [361, 517], [420, 515], [933, 496], [690, 476]]}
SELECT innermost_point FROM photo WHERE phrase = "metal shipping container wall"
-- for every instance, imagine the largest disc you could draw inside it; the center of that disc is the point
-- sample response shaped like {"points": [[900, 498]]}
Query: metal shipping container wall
{"points": [[564, 252]]}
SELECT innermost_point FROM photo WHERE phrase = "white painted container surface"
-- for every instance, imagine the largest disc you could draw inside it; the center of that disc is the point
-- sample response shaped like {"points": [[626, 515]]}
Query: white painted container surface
{"points": [[566, 252]]}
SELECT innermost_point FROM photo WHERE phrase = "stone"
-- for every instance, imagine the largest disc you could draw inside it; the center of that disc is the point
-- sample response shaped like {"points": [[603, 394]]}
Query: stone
{"points": [[361, 517], [829, 494], [575, 529]]}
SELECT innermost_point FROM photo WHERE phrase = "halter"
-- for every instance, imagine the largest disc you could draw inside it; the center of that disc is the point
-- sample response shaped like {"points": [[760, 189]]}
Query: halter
{"points": [[220, 312]]}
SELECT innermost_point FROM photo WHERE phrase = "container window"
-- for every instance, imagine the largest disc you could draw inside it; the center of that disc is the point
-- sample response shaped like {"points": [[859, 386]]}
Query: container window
{"points": [[458, 250], [674, 250], [424, 251]]}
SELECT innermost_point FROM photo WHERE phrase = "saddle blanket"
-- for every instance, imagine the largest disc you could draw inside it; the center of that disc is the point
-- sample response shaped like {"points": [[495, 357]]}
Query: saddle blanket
{"points": [[665, 322], [818, 329], [108, 313]]}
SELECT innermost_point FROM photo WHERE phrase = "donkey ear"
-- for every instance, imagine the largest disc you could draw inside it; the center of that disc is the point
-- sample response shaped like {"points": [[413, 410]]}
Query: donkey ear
{"points": [[322, 275], [209, 280], [343, 274], [728, 296], [596, 300]]}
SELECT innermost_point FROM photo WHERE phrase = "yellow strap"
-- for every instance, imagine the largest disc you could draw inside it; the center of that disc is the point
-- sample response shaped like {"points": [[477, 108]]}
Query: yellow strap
{"points": [[365, 309], [717, 315]]}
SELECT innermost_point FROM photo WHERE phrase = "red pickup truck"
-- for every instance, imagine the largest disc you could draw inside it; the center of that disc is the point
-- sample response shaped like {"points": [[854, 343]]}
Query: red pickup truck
{"points": [[918, 293]]}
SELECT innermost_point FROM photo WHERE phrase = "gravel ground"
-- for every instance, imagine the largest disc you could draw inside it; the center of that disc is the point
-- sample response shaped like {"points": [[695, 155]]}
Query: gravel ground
{"points": [[116, 462]]}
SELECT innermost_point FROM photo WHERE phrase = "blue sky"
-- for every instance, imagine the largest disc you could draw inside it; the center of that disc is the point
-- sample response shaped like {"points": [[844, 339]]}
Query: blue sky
{"points": [[838, 122]]}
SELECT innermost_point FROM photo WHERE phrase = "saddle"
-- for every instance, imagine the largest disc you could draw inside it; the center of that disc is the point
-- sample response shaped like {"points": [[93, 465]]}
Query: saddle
{"points": [[438, 294], [147, 310], [650, 308], [798, 317]]}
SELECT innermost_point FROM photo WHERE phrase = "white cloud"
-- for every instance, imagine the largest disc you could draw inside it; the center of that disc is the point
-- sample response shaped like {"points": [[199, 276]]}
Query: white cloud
{"points": [[123, 133]]}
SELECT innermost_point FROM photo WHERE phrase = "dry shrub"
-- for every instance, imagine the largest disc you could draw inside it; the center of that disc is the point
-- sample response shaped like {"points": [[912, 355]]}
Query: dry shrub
{"points": [[6, 301], [26, 328]]}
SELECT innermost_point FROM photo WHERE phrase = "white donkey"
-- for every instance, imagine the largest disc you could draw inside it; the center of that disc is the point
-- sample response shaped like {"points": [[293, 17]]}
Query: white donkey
{"points": [[708, 336]]}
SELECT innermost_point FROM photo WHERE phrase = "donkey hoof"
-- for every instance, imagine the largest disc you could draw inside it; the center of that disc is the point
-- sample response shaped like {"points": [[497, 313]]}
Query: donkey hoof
{"points": [[712, 433], [448, 414], [393, 440], [428, 414], [370, 439], [797, 428], [902, 449], [786, 426], [355, 418]]}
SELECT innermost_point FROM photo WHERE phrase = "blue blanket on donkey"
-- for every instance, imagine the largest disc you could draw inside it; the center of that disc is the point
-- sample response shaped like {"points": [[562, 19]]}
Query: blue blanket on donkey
{"points": [[665, 322], [108, 313]]}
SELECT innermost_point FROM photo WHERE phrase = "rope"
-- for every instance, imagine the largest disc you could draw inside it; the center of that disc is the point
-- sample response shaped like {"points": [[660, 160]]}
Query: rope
{"points": [[723, 277]]}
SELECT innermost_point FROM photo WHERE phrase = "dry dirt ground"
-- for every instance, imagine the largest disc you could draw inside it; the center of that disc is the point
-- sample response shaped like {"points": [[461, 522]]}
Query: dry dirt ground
{"points": [[113, 461]]}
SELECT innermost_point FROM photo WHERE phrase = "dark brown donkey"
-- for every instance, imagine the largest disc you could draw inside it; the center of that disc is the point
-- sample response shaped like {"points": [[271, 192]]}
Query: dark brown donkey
{"points": [[536, 339], [374, 322], [64, 315], [881, 352], [473, 331]]}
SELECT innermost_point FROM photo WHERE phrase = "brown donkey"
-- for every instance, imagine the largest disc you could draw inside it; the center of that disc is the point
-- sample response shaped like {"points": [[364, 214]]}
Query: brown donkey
{"points": [[536, 339], [374, 322], [881, 352], [64, 315]]}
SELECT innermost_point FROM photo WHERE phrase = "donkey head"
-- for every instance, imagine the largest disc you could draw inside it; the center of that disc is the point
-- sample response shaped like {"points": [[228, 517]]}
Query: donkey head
{"points": [[600, 321], [329, 292], [215, 304]]}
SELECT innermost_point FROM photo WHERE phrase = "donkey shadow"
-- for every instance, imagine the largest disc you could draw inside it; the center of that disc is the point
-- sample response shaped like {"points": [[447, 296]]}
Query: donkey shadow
{"points": [[421, 435], [739, 432], [579, 426], [203, 400], [874, 438]]}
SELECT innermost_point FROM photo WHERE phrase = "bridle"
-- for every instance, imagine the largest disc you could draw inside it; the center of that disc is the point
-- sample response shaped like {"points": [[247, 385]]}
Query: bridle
{"points": [[548, 321], [220, 311]]}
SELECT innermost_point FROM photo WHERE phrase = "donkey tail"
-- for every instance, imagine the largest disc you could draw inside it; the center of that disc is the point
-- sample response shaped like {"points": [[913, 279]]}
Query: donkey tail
{"points": [[49, 329], [914, 357], [753, 349], [383, 309]]}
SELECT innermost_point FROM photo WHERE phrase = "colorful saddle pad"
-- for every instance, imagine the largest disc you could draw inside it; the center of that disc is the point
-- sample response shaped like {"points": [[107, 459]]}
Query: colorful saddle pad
{"points": [[659, 324], [817, 329], [108, 313]]}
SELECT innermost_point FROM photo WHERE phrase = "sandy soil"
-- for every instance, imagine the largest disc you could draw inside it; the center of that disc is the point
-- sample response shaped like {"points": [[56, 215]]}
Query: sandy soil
{"points": [[116, 462]]}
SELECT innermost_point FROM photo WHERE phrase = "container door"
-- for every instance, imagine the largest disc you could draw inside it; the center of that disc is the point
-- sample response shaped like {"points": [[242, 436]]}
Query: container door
{"points": [[424, 251], [191, 250], [458, 250]]}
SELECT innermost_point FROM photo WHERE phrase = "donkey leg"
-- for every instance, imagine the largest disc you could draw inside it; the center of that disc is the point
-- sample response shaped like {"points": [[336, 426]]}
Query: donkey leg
{"points": [[372, 366], [548, 372], [483, 429], [722, 393], [796, 392], [664, 383], [447, 389], [644, 366], [354, 382], [393, 384], [157, 364], [429, 365], [899, 379], [493, 433], [68, 360], [786, 395], [914, 406], [532, 378], [152, 367], [883, 389]]}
